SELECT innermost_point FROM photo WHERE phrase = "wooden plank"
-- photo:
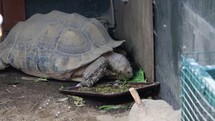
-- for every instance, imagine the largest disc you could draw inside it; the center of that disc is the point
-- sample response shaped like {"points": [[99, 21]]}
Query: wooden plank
{"points": [[13, 11], [135, 24], [1, 7]]}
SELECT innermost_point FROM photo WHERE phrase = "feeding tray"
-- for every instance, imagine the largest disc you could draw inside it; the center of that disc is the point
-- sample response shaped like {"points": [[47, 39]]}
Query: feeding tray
{"points": [[113, 92]]}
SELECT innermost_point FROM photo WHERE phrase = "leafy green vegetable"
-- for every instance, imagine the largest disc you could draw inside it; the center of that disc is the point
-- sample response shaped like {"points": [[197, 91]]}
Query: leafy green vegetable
{"points": [[78, 101], [40, 80], [139, 76], [112, 107], [106, 88]]}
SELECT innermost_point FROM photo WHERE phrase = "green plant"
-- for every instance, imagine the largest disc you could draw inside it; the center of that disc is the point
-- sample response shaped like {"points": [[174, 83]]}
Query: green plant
{"points": [[113, 107], [139, 76], [40, 80]]}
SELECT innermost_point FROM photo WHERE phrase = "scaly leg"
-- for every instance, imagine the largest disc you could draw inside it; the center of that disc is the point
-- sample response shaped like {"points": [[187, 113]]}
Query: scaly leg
{"points": [[94, 72]]}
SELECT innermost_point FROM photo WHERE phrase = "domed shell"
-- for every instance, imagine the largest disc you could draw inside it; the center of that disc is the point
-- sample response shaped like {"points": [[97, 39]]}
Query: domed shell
{"points": [[57, 42]]}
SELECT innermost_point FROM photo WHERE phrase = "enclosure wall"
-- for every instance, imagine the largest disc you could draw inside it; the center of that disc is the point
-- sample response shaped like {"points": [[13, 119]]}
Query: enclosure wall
{"points": [[180, 26]]}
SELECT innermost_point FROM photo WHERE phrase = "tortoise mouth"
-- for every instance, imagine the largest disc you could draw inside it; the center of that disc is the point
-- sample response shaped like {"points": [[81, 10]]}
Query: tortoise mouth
{"points": [[124, 76]]}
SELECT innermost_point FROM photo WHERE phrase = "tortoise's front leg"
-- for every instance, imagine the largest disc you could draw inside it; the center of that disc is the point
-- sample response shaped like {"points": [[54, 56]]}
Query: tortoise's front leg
{"points": [[94, 72]]}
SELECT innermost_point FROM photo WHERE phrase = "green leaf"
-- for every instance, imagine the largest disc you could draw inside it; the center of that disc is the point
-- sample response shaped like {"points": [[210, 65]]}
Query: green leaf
{"points": [[112, 107], [139, 76], [78, 101], [40, 80]]}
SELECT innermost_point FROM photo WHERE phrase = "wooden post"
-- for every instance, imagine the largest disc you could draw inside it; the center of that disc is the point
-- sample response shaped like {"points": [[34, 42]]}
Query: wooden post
{"points": [[136, 97], [12, 11]]}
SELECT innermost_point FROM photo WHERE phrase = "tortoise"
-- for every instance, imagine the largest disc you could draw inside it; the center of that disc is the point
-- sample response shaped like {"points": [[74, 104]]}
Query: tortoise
{"points": [[63, 46]]}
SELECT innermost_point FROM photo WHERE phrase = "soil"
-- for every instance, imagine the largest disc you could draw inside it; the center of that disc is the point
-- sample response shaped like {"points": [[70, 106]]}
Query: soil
{"points": [[24, 99]]}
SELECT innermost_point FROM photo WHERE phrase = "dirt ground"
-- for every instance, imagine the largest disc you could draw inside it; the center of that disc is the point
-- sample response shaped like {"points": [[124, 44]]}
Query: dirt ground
{"points": [[23, 99]]}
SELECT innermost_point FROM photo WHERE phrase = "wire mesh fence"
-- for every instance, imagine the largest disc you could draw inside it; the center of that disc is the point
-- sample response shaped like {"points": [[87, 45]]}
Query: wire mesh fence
{"points": [[198, 86]]}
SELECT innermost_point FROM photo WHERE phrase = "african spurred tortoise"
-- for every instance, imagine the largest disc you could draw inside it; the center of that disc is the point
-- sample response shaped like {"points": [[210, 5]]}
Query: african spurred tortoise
{"points": [[63, 46]]}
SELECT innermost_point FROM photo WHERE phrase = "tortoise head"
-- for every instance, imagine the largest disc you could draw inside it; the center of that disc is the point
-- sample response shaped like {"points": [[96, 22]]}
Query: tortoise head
{"points": [[123, 68], [120, 65]]}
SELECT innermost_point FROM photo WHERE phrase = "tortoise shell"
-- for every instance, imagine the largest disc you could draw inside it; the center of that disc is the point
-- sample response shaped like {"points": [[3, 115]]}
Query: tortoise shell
{"points": [[55, 44]]}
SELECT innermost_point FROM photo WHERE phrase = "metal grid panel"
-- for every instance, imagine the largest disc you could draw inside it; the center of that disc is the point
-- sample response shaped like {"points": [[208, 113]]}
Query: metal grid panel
{"points": [[198, 90]]}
